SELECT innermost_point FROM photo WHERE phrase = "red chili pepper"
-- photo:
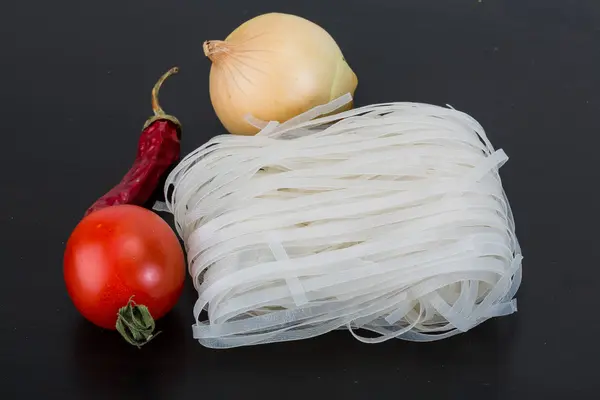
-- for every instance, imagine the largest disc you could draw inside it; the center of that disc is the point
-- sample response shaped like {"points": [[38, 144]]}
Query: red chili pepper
{"points": [[158, 150]]}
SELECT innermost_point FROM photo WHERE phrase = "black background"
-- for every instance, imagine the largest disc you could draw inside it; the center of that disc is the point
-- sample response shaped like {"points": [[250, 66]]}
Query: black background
{"points": [[76, 77]]}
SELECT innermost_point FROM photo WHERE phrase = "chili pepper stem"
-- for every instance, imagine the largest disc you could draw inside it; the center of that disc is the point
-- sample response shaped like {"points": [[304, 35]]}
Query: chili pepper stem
{"points": [[135, 324], [155, 104], [159, 113]]}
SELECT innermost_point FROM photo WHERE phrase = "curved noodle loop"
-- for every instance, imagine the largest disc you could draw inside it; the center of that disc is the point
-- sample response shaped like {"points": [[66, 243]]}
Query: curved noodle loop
{"points": [[391, 218]]}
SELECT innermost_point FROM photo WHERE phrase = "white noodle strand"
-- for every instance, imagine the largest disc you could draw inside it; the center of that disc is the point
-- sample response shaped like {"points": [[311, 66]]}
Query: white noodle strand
{"points": [[389, 218]]}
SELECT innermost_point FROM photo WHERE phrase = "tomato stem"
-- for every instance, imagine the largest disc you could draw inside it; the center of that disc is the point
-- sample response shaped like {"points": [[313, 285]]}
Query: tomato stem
{"points": [[135, 323]]}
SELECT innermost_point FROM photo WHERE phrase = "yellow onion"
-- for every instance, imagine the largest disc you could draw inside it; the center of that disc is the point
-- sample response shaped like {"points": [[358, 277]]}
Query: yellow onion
{"points": [[274, 67]]}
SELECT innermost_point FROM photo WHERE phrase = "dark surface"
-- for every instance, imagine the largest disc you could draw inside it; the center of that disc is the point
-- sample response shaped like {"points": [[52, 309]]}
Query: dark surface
{"points": [[75, 92]]}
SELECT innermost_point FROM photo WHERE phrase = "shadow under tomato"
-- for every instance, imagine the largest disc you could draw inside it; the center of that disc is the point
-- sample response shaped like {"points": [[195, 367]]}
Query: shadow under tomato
{"points": [[105, 364]]}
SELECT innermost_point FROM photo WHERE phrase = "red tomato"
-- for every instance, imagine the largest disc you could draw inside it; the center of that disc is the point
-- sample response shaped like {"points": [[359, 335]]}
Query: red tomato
{"points": [[119, 252]]}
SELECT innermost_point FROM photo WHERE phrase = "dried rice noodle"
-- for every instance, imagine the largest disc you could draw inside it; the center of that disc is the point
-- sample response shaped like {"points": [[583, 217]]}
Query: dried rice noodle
{"points": [[391, 218]]}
